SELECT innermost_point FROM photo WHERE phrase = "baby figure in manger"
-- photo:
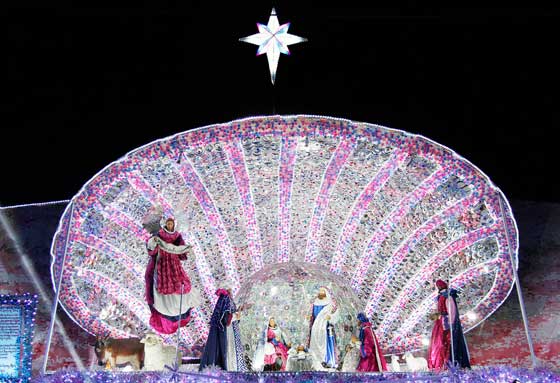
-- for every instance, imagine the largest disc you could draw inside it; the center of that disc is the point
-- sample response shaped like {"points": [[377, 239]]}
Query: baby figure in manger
{"points": [[299, 359]]}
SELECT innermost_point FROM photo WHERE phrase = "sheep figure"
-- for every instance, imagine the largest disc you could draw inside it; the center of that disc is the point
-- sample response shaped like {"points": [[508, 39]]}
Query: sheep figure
{"points": [[415, 363], [156, 354], [395, 365]]}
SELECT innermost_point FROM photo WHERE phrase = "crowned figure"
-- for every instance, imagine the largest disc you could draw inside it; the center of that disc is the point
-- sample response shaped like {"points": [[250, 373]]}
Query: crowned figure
{"points": [[223, 345], [447, 329], [371, 356]]}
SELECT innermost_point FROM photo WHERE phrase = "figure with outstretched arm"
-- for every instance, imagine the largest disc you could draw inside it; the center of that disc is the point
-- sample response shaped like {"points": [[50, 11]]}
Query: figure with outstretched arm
{"points": [[322, 336], [168, 287]]}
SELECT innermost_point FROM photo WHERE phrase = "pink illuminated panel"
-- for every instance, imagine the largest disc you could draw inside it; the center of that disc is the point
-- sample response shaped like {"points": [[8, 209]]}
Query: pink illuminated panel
{"points": [[383, 210]]}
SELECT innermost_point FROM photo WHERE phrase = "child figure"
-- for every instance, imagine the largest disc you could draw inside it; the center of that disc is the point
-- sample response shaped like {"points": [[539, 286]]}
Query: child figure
{"points": [[299, 359], [352, 356]]}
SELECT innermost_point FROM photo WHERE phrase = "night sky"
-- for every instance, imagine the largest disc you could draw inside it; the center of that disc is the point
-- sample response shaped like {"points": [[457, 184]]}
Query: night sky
{"points": [[83, 85]]}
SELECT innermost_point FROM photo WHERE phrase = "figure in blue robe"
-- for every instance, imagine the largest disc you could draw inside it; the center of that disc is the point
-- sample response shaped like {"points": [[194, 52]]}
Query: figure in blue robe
{"points": [[322, 336], [216, 349]]}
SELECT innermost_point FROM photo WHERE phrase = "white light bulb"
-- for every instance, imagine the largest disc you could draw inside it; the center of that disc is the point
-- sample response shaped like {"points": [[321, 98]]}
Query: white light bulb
{"points": [[471, 315]]}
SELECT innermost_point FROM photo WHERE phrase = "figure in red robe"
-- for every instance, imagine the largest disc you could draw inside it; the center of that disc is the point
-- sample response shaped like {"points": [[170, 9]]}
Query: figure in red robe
{"points": [[371, 356], [272, 352], [447, 328], [168, 288]]}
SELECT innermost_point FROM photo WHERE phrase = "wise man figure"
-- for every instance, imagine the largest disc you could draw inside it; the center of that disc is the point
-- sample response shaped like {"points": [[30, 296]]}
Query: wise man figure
{"points": [[447, 344]]}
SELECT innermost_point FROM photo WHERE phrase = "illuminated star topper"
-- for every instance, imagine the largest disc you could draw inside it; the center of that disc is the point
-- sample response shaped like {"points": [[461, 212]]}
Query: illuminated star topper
{"points": [[273, 39]]}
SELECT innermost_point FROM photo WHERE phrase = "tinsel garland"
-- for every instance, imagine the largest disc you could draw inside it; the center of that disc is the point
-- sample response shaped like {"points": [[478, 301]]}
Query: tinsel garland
{"points": [[478, 375]]}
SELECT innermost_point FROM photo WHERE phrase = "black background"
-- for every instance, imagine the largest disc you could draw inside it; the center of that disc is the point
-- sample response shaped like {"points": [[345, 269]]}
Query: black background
{"points": [[82, 84]]}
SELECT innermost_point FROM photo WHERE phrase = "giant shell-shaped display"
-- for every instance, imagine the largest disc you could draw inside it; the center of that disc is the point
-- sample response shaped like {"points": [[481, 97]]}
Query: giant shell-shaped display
{"points": [[383, 211]]}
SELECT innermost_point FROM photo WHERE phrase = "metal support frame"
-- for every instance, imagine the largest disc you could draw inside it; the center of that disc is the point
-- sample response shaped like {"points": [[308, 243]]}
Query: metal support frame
{"points": [[57, 294], [518, 287]]}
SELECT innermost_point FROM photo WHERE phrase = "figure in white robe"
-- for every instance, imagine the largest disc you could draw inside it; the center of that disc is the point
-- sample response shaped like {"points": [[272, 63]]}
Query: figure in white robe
{"points": [[322, 336]]}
